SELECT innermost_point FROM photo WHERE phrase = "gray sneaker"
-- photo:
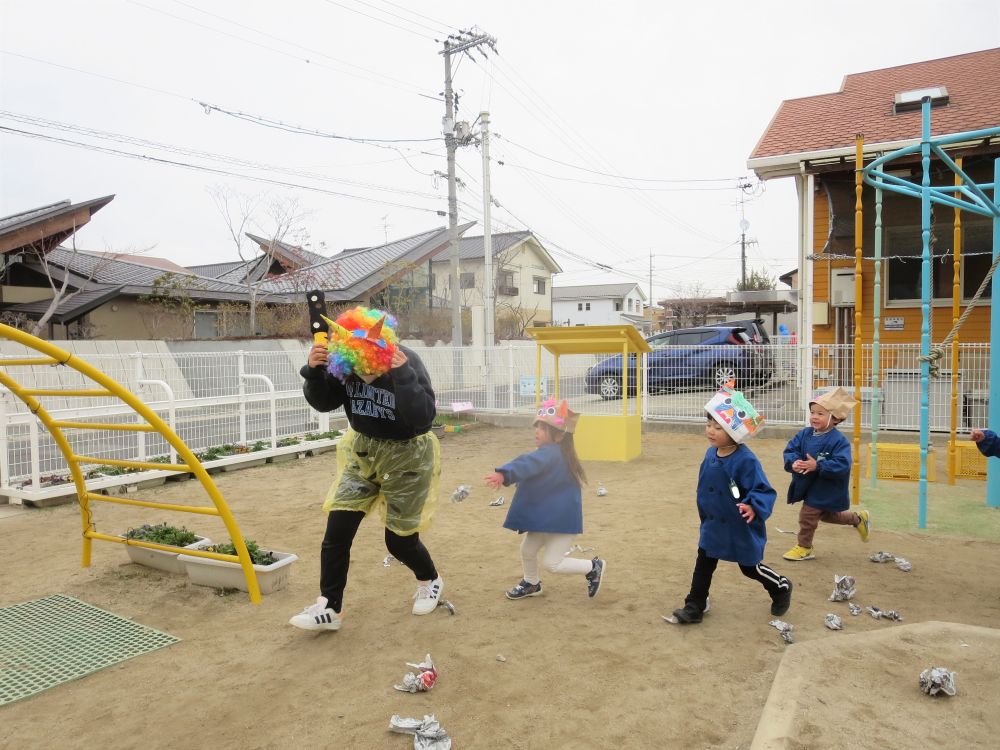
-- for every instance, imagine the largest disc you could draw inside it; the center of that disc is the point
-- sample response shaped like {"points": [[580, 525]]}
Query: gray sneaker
{"points": [[525, 589], [594, 577]]}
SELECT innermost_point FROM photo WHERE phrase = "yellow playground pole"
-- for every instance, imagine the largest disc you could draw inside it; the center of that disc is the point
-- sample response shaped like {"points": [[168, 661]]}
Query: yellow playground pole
{"points": [[859, 160], [56, 356]]}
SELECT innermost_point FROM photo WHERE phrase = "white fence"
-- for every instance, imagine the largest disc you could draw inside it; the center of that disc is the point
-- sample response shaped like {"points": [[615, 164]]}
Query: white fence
{"points": [[253, 399]]}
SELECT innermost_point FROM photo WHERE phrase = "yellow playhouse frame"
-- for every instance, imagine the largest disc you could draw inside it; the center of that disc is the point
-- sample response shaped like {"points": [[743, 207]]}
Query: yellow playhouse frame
{"points": [[598, 437], [150, 422]]}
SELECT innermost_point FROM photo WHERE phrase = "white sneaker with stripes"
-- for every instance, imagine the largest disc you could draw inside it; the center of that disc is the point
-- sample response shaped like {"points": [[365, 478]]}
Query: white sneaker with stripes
{"points": [[427, 596], [317, 617]]}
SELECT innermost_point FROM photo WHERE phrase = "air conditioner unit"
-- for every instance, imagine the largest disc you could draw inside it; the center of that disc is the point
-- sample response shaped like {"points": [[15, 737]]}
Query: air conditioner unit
{"points": [[842, 288]]}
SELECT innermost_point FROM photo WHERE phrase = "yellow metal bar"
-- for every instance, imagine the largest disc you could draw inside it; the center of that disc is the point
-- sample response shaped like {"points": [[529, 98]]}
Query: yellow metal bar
{"points": [[130, 464], [555, 389], [83, 393], [164, 547], [102, 426], [28, 361], [205, 511], [191, 461], [859, 162], [538, 375], [956, 303], [625, 379]]}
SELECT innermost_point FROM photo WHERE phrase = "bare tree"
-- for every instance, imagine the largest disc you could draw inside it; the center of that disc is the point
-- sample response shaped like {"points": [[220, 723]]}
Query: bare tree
{"points": [[692, 305], [59, 279], [276, 219]]}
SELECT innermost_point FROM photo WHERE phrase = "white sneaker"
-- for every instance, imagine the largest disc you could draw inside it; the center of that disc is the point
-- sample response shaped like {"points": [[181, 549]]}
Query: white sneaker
{"points": [[427, 595], [317, 617]]}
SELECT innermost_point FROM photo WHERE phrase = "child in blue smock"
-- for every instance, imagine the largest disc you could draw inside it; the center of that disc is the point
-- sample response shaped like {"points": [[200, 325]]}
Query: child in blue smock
{"points": [[819, 459], [548, 505], [734, 500], [987, 441]]}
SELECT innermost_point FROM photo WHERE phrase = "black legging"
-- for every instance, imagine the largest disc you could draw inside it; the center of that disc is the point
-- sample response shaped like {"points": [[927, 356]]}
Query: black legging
{"points": [[704, 568], [335, 555]]}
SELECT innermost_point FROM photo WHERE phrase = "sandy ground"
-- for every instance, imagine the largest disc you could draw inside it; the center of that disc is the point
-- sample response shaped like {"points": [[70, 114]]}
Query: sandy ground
{"points": [[574, 673]]}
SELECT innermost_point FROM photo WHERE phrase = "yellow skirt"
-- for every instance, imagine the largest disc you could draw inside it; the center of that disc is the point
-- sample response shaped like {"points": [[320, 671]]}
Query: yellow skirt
{"points": [[399, 478]]}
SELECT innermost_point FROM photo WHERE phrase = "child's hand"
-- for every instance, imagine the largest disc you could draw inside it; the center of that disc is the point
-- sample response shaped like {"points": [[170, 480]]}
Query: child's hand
{"points": [[746, 511], [804, 466], [976, 436], [494, 480]]}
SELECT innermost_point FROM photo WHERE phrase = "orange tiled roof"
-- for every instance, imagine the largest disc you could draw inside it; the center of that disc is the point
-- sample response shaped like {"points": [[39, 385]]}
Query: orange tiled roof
{"points": [[864, 104]]}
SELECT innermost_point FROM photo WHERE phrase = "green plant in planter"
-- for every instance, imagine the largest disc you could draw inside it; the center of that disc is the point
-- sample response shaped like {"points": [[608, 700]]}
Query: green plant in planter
{"points": [[284, 442], [258, 556], [162, 533], [328, 435]]}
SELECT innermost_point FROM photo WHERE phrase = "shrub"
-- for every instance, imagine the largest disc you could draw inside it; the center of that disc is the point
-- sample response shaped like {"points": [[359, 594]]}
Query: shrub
{"points": [[162, 533], [258, 556]]}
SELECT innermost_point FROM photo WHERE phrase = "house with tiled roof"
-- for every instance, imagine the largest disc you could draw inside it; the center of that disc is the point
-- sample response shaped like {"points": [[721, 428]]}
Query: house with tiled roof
{"points": [[812, 140], [522, 276], [600, 305]]}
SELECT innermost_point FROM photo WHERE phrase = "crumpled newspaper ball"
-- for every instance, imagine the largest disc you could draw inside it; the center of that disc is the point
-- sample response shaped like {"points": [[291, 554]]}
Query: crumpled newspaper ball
{"points": [[785, 629], [881, 557], [601, 490], [421, 681], [853, 608], [834, 623], [461, 492], [884, 614], [937, 680], [428, 734], [843, 588]]}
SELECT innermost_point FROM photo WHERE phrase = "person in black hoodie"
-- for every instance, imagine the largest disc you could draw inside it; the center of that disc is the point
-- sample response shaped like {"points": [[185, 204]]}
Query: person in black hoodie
{"points": [[388, 461]]}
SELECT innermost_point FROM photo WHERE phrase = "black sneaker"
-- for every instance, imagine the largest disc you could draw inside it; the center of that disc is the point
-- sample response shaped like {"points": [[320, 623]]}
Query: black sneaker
{"points": [[525, 589], [781, 601], [689, 614], [594, 577]]}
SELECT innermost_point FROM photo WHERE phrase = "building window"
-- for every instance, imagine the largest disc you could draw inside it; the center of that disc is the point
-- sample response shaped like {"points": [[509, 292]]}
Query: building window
{"points": [[467, 281], [618, 306], [579, 306], [588, 306], [539, 285], [903, 274]]}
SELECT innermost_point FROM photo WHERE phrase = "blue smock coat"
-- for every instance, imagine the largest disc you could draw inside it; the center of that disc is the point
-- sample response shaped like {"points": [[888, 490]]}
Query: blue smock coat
{"points": [[990, 444], [827, 488], [547, 498], [725, 534]]}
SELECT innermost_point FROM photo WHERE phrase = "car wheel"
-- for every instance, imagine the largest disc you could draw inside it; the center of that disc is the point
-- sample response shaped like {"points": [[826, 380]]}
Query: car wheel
{"points": [[722, 373], [610, 387]]}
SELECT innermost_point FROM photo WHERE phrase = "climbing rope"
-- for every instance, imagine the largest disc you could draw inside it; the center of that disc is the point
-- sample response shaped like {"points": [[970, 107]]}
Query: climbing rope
{"points": [[937, 352]]}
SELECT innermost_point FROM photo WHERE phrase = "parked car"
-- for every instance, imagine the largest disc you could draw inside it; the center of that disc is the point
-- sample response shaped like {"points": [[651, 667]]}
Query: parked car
{"points": [[706, 356]]}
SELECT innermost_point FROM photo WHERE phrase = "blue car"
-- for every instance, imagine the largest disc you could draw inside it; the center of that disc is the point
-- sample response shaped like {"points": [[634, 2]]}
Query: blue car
{"points": [[708, 356]]}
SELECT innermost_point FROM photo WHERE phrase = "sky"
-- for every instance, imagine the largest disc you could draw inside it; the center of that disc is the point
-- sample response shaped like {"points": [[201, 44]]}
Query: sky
{"points": [[619, 131]]}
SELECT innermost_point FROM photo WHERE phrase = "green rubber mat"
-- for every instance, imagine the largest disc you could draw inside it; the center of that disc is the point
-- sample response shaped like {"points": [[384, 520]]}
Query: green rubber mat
{"points": [[47, 642]]}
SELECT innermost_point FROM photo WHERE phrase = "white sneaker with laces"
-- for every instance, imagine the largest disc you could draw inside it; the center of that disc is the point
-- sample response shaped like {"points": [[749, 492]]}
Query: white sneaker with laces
{"points": [[317, 617], [427, 595]]}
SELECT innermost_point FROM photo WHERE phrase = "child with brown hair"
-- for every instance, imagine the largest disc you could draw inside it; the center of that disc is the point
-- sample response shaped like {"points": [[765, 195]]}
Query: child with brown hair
{"points": [[548, 504], [819, 459], [734, 500]]}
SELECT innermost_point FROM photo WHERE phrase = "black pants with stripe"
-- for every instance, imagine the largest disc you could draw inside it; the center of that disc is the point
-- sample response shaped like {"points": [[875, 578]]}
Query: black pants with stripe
{"points": [[704, 569], [335, 555]]}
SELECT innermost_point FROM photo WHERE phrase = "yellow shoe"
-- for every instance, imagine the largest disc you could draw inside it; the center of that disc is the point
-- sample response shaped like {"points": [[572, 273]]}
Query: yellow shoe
{"points": [[799, 553], [864, 524]]}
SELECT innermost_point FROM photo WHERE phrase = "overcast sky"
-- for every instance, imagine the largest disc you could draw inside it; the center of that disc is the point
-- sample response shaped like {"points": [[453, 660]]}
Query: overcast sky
{"points": [[581, 95]]}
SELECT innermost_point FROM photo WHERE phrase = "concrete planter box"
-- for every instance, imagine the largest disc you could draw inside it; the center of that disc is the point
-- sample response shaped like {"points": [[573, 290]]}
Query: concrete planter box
{"points": [[219, 574], [245, 464], [161, 560]]}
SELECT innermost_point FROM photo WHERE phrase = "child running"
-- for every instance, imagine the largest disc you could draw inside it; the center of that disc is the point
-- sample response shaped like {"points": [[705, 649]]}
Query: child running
{"points": [[548, 505], [734, 500], [819, 459]]}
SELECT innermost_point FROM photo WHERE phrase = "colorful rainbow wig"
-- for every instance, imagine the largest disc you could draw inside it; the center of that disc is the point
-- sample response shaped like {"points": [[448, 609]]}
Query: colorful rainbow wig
{"points": [[362, 342]]}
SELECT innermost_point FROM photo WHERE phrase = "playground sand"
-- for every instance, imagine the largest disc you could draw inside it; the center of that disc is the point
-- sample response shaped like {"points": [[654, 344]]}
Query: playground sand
{"points": [[555, 671]]}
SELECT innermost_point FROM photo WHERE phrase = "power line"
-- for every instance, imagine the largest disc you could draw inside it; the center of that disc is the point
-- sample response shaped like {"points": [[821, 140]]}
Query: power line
{"points": [[380, 20], [402, 18], [211, 170]]}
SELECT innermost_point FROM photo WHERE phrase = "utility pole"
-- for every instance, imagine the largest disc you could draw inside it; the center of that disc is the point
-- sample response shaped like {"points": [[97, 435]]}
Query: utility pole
{"points": [[744, 225], [487, 233], [455, 44]]}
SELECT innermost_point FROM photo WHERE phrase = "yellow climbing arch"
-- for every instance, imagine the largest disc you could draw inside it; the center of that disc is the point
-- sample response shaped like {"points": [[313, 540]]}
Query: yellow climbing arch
{"points": [[148, 422]]}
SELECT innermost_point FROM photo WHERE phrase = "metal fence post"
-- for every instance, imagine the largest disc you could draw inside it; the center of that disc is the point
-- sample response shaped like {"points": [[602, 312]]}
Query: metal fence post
{"points": [[4, 459], [36, 474], [510, 373], [139, 375], [241, 371]]}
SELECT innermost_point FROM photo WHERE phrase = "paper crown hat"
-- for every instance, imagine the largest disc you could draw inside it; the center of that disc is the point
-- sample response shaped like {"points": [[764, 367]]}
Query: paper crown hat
{"points": [[837, 401], [560, 417], [737, 416]]}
